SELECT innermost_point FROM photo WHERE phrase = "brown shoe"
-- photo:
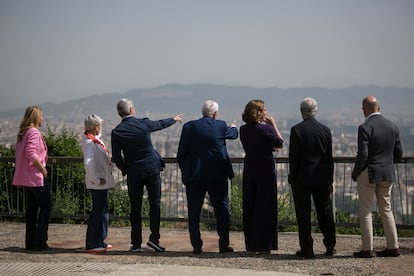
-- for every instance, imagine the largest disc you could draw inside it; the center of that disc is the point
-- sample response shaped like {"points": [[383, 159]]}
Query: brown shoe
{"points": [[364, 254], [389, 253]]}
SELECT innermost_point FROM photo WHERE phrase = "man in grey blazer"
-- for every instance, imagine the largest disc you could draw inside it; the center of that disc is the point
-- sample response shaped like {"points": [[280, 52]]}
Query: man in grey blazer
{"points": [[379, 147]]}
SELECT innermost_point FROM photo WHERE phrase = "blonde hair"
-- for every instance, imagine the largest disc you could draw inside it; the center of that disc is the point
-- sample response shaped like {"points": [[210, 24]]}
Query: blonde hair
{"points": [[30, 119]]}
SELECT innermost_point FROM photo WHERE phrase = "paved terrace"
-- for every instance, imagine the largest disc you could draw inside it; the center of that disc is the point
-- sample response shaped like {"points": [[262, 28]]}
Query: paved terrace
{"points": [[68, 257]]}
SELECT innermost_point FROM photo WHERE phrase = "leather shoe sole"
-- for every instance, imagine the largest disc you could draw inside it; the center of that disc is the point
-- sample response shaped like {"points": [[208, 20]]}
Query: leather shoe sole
{"points": [[364, 254], [389, 253]]}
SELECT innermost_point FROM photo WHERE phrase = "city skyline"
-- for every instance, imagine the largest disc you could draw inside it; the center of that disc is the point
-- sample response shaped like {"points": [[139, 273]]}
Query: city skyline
{"points": [[53, 51]]}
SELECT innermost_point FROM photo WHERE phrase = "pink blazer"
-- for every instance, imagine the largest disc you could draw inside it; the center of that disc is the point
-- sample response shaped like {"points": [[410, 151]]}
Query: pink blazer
{"points": [[31, 147]]}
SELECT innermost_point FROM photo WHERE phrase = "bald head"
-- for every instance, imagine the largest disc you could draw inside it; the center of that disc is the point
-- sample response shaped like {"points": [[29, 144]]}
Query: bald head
{"points": [[370, 105]]}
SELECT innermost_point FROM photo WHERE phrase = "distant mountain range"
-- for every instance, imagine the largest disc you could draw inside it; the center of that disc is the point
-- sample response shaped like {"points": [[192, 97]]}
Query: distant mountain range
{"points": [[173, 99]]}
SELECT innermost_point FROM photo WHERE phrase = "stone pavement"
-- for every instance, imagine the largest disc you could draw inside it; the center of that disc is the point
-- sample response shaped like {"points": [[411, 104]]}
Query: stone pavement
{"points": [[68, 256]]}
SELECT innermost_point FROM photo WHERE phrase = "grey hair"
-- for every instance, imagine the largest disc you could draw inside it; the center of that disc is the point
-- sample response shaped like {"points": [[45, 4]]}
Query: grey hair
{"points": [[309, 107], [124, 107], [91, 122], [209, 108]]}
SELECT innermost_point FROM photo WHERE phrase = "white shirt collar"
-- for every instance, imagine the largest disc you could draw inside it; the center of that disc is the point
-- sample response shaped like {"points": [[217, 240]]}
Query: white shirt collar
{"points": [[372, 114]]}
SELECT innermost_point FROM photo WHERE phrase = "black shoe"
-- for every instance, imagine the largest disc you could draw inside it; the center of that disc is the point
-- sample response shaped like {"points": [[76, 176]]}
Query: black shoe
{"points": [[305, 254], [156, 246], [227, 249], [197, 251], [364, 254], [44, 247], [136, 249], [259, 252], [330, 251], [389, 253]]}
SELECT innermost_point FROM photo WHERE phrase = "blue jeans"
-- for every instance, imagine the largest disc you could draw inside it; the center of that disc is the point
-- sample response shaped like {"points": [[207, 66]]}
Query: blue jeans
{"points": [[136, 192], [218, 193], [38, 210], [98, 220]]}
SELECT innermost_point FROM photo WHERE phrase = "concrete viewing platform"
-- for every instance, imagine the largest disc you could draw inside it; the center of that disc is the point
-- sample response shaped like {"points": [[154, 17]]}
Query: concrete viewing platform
{"points": [[67, 256]]}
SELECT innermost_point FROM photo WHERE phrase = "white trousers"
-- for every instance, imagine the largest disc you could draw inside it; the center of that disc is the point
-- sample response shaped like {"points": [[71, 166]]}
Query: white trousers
{"points": [[382, 191]]}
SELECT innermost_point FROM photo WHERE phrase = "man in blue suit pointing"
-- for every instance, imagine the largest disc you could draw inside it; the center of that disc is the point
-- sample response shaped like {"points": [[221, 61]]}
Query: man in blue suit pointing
{"points": [[135, 156], [206, 167]]}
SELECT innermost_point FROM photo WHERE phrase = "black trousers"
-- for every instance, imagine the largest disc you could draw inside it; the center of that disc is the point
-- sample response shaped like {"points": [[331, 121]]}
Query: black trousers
{"points": [[323, 205], [38, 211], [136, 192]]}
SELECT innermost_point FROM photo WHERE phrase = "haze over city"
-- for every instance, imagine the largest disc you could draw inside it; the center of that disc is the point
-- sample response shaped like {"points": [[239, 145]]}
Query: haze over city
{"points": [[53, 51]]}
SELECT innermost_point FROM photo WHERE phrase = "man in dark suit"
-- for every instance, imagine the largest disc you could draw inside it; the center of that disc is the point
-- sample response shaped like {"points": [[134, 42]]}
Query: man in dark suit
{"points": [[135, 156], [311, 174], [206, 167], [379, 147]]}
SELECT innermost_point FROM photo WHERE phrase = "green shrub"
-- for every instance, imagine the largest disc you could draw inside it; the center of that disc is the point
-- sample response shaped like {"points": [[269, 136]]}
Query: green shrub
{"points": [[65, 202]]}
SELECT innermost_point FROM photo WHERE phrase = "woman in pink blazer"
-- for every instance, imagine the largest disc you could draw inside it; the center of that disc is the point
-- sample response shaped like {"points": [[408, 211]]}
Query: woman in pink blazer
{"points": [[30, 173]]}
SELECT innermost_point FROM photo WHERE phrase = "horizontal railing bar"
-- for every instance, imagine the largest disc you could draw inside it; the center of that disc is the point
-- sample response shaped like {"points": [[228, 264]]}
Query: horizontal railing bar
{"points": [[173, 196], [336, 159]]}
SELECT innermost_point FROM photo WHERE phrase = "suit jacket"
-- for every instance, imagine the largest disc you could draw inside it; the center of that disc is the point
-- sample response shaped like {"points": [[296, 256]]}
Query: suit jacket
{"points": [[379, 146], [202, 153], [132, 149], [30, 148], [97, 165], [310, 154]]}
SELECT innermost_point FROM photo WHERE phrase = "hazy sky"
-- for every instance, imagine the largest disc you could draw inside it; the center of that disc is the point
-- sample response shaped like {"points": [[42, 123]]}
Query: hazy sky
{"points": [[65, 49]]}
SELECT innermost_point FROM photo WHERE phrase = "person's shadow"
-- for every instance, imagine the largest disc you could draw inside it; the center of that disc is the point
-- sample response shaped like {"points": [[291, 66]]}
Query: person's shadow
{"points": [[15, 249]]}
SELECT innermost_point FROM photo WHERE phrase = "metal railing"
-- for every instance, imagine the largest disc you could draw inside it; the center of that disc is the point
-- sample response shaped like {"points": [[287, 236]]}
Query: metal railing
{"points": [[72, 201]]}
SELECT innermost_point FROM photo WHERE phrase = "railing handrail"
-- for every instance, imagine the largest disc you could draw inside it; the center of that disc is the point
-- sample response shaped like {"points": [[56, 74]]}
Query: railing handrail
{"points": [[283, 159]]}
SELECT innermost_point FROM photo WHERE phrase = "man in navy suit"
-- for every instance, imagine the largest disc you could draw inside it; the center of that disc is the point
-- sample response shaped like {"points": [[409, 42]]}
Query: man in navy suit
{"points": [[206, 167], [379, 147], [311, 174], [135, 156]]}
